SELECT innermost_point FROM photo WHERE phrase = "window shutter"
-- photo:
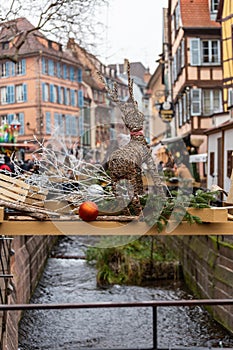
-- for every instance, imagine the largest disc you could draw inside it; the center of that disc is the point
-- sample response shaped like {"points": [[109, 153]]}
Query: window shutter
{"points": [[51, 68], [72, 73], [58, 70], [80, 98], [43, 66], [58, 94], [51, 93], [48, 122], [196, 101], [13, 68], [23, 67], [79, 75], [25, 92], [10, 94], [43, 91], [7, 69], [64, 71], [10, 118], [195, 52], [72, 95], [65, 96], [21, 120]]}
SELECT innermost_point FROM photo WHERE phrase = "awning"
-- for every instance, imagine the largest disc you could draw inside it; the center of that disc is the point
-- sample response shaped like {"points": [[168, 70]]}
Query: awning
{"points": [[198, 158]]}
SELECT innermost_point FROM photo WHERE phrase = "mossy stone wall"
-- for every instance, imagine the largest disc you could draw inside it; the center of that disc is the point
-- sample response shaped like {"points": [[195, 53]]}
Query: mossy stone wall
{"points": [[207, 263]]}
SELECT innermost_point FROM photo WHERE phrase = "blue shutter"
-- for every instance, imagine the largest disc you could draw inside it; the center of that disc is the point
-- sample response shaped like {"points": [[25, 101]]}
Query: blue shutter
{"points": [[43, 91], [12, 68], [51, 67], [79, 75], [21, 120], [65, 96], [72, 73], [43, 66], [67, 121], [58, 94], [10, 94], [10, 118], [64, 71], [7, 69], [80, 98], [80, 125], [58, 70], [195, 51], [25, 95], [23, 67], [56, 120], [48, 123], [51, 93], [72, 96]]}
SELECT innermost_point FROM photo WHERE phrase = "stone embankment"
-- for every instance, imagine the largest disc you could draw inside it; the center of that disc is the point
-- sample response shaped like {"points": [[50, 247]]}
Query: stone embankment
{"points": [[26, 266], [207, 263]]}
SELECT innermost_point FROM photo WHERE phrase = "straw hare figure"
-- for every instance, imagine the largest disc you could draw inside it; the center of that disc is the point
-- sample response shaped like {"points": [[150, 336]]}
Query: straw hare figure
{"points": [[126, 162]]}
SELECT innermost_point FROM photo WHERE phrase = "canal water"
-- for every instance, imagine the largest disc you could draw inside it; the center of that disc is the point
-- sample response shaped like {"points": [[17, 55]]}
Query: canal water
{"points": [[72, 280]]}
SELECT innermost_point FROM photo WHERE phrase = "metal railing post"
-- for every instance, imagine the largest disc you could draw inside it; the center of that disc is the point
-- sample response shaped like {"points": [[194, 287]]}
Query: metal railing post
{"points": [[154, 325]]}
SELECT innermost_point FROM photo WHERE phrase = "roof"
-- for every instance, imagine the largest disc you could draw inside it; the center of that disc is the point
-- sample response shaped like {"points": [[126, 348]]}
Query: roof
{"points": [[21, 30], [196, 13]]}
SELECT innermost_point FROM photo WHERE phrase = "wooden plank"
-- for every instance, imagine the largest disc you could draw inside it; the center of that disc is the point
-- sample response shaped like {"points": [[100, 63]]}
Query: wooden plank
{"points": [[13, 188], [215, 214], [97, 228], [9, 194], [15, 181], [1, 214]]}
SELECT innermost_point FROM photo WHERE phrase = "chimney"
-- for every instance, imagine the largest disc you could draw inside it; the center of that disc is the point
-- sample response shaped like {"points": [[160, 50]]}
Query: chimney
{"points": [[147, 75]]}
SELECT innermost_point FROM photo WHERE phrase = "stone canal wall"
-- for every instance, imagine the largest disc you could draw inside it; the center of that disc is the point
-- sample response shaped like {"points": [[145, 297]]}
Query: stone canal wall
{"points": [[27, 264], [207, 263]]}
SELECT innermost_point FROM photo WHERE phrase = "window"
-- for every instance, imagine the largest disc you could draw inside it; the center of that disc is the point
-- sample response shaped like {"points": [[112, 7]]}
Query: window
{"points": [[21, 93], [177, 16], [45, 92], [4, 95], [50, 67], [4, 69], [212, 101], [20, 68], [48, 123], [230, 97], [5, 45], [210, 51], [20, 117], [206, 102], [204, 52], [214, 5]]}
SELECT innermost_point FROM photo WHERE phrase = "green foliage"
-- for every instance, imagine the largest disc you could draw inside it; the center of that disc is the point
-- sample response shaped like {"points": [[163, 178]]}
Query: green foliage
{"points": [[175, 207], [125, 264]]}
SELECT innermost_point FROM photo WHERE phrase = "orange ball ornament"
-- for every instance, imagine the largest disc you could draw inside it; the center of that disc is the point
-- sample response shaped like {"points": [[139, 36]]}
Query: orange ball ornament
{"points": [[88, 211]]}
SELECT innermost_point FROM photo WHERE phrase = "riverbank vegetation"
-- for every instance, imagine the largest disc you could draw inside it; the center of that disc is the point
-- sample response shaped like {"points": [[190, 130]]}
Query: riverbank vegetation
{"points": [[146, 259], [137, 262]]}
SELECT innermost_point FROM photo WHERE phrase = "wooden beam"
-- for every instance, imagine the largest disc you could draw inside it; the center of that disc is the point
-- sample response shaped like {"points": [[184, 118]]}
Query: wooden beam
{"points": [[108, 228]]}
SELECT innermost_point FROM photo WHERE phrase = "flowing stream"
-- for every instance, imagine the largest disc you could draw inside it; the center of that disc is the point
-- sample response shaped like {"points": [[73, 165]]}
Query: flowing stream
{"points": [[72, 280]]}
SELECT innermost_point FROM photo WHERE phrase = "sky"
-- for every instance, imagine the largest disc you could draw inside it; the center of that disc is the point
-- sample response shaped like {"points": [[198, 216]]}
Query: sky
{"points": [[133, 31]]}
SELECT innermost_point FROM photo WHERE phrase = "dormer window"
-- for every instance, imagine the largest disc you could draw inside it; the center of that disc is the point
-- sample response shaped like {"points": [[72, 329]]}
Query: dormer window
{"points": [[214, 5], [5, 45]]}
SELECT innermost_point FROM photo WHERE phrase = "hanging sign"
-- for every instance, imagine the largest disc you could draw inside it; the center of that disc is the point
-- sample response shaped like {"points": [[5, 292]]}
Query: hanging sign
{"points": [[166, 111]]}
